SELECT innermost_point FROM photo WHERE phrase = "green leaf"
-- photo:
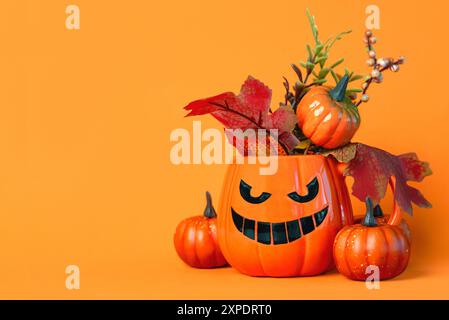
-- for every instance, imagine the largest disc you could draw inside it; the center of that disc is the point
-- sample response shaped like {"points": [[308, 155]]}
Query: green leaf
{"points": [[338, 62], [303, 144], [319, 81], [348, 72], [353, 90], [309, 52], [334, 76], [298, 86], [309, 65], [319, 48], [320, 59], [323, 73], [330, 42], [313, 26], [356, 77]]}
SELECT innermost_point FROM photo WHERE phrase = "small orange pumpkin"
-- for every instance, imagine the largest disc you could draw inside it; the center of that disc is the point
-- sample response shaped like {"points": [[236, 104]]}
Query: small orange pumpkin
{"points": [[196, 239], [327, 117], [371, 244], [383, 219]]}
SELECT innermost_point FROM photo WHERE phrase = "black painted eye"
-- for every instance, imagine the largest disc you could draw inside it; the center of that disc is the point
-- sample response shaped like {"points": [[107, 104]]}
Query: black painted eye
{"points": [[312, 189], [245, 192]]}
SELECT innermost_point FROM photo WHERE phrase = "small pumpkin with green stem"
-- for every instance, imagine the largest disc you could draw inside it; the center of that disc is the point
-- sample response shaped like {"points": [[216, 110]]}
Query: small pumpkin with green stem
{"points": [[371, 243], [327, 116], [382, 218]]}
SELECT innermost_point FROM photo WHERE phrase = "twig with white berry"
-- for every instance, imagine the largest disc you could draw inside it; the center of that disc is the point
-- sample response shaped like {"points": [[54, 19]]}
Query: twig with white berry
{"points": [[378, 64]]}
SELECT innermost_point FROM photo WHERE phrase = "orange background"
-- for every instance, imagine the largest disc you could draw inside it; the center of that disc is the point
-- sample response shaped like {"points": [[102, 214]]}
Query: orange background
{"points": [[85, 118]]}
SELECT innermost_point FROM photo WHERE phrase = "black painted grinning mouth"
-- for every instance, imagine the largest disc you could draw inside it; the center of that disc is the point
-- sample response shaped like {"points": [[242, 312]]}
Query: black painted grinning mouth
{"points": [[278, 232]]}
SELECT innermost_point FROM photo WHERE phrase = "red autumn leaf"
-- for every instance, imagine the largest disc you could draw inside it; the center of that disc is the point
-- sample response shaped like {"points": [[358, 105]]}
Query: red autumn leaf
{"points": [[414, 169], [251, 143], [283, 119], [372, 168], [250, 109]]}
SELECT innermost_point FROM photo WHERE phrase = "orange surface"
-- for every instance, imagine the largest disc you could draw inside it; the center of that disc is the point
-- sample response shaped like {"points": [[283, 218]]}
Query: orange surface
{"points": [[85, 118]]}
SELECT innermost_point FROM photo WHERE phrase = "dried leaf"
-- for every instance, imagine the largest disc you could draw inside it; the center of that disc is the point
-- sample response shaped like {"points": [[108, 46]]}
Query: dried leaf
{"points": [[297, 71], [415, 170], [372, 168], [343, 154]]}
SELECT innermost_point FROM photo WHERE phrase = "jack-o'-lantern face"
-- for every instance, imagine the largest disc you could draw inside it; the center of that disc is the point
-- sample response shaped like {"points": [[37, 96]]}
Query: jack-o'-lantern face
{"points": [[283, 224], [284, 231]]}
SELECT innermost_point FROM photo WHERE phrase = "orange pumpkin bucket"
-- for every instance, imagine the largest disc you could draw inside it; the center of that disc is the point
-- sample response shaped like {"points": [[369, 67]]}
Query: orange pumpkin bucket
{"points": [[283, 225]]}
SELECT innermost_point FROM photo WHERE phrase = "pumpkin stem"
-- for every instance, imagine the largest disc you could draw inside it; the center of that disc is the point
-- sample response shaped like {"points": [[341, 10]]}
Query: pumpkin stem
{"points": [[378, 211], [369, 220], [209, 212], [338, 93]]}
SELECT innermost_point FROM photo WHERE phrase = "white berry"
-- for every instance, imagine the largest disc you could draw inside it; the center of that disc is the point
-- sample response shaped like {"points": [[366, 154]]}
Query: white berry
{"points": [[375, 74], [383, 62], [370, 62]]}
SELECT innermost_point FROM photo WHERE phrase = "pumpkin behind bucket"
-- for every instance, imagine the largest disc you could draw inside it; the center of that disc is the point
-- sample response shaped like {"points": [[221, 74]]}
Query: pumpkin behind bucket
{"points": [[283, 225]]}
